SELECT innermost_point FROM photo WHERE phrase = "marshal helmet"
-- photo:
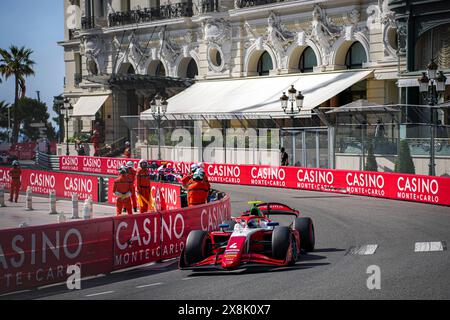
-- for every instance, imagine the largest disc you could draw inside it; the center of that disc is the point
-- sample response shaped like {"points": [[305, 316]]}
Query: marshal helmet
{"points": [[143, 164], [123, 170], [199, 175]]}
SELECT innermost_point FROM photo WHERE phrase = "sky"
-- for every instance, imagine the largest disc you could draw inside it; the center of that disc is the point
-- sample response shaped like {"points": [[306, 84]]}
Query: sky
{"points": [[37, 25]]}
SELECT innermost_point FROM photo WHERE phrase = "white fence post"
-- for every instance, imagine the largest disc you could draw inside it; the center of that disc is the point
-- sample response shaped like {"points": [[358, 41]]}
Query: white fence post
{"points": [[86, 210], [2, 197], [29, 198], [53, 202], [75, 214]]}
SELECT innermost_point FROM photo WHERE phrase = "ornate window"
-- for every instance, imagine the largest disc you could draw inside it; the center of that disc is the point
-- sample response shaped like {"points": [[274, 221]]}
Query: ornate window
{"points": [[434, 43], [264, 64], [356, 56], [160, 70], [192, 69], [130, 70], [307, 61]]}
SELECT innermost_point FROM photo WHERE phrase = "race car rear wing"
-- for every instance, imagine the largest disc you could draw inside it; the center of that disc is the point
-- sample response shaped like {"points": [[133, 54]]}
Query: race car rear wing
{"points": [[275, 208]]}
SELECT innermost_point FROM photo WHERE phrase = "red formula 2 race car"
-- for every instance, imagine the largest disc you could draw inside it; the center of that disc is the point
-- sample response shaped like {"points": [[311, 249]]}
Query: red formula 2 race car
{"points": [[251, 240]]}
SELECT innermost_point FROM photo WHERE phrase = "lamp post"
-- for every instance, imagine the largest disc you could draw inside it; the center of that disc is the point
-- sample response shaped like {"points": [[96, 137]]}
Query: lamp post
{"points": [[66, 109], [159, 109], [295, 99], [431, 85]]}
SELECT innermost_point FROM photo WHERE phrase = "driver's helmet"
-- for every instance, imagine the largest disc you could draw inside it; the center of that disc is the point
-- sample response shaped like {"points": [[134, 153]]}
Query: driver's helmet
{"points": [[15, 163], [255, 211], [130, 164], [143, 164], [254, 223]]}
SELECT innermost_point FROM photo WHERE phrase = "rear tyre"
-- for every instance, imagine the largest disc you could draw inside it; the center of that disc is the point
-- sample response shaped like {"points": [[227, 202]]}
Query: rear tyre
{"points": [[281, 238], [196, 246], [231, 224], [305, 227]]}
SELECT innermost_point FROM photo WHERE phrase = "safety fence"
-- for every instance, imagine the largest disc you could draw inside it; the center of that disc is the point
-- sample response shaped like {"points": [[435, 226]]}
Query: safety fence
{"points": [[42, 255], [418, 188], [63, 184]]}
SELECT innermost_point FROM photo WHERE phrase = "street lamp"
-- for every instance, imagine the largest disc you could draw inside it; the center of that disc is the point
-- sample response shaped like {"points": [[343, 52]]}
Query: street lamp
{"points": [[66, 109], [296, 102], [431, 85], [159, 109]]}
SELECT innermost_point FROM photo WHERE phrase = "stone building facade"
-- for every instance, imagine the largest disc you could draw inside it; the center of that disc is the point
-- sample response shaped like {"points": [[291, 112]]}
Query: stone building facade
{"points": [[223, 39]]}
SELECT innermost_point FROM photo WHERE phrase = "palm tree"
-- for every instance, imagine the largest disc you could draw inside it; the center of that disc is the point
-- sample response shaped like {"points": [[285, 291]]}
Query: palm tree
{"points": [[16, 63]]}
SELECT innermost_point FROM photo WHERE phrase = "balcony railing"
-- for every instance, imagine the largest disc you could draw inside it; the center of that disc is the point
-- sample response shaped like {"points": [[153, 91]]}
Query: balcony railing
{"points": [[87, 23], [209, 6], [176, 10], [252, 3]]}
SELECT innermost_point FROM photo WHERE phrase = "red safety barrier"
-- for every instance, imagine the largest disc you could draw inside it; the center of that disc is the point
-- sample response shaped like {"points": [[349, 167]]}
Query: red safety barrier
{"points": [[418, 188], [98, 165], [145, 238], [37, 256], [42, 182], [167, 195]]}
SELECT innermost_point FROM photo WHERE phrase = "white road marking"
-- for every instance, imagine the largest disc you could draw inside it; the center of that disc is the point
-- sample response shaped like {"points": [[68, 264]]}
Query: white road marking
{"points": [[429, 246], [100, 293], [149, 285], [364, 250], [189, 278]]}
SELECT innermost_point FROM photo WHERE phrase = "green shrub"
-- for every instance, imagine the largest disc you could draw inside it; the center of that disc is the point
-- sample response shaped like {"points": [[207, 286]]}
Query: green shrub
{"points": [[404, 162], [371, 161]]}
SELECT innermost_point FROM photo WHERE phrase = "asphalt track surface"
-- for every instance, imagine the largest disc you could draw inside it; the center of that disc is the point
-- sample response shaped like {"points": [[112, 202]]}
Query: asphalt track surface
{"points": [[334, 270]]}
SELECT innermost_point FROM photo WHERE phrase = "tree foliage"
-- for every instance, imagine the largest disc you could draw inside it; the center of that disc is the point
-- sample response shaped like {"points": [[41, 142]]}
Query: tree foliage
{"points": [[16, 63], [371, 161], [33, 111], [404, 162]]}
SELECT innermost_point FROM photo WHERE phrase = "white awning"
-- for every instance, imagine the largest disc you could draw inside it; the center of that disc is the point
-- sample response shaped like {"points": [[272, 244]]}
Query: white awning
{"points": [[414, 82], [88, 106], [256, 96]]}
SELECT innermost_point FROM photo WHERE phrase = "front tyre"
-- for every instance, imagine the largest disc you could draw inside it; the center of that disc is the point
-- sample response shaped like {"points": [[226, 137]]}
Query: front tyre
{"points": [[305, 227], [281, 238], [196, 248]]}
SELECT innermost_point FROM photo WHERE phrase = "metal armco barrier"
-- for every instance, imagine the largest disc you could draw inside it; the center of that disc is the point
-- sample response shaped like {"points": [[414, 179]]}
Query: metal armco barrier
{"points": [[37, 256]]}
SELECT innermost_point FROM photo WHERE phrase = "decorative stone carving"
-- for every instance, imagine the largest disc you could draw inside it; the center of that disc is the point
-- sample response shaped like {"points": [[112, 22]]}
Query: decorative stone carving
{"points": [[136, 53], [93, 48], [168, 50], [402, 36], [252, 37], [277, 34], [323, 32], [217, 36], [388, 22]]}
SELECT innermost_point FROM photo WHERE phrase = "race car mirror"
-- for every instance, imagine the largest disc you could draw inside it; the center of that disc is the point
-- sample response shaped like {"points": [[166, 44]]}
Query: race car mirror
{"points": [[224, 226]]}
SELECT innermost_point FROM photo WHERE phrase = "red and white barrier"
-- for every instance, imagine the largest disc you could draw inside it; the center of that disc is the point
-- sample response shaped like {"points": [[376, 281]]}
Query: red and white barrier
{"points": [[167, 194], [418, 188], [38, 256], [43, 182]]}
